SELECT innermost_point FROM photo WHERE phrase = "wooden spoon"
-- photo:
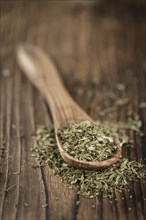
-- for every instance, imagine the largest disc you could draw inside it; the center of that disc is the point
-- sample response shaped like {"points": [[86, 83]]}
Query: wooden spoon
{"points": [[39, 68]]}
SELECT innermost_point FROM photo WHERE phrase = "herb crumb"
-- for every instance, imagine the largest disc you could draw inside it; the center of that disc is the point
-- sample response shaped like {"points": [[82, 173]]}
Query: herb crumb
{"points": [[142, 105], [77, 203], [6, 73], [45, 205], [90, 183]]}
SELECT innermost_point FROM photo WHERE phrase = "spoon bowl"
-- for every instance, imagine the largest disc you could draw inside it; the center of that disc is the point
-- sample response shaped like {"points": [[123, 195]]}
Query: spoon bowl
{"points": [[41, 71]]}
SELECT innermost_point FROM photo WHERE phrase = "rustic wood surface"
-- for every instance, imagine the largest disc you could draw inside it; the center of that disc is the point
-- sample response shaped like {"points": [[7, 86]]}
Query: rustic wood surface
{"points": [[95, 46]]}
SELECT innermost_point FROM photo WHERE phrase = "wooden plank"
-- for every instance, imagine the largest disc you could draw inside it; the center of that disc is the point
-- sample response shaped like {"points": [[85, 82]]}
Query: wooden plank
{"points": [[94, 46], [116, 67]]}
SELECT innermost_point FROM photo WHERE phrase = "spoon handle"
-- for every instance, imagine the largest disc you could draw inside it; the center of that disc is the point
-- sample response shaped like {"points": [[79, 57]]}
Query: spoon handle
{"points": [[44, 75]]}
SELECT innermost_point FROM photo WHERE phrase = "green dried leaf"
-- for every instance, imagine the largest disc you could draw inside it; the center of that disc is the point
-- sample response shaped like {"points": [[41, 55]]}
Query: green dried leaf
{"points": [[116, 177], [142, 105], [87, 141]]}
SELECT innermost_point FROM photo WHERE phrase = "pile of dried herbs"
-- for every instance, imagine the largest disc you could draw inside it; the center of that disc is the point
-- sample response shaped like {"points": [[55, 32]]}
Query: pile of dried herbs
{"points": [[90, 183], [87, 141]]}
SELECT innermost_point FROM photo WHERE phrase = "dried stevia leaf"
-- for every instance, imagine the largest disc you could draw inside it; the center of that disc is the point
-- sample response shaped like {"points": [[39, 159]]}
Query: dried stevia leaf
{"points": [[142, 105], [87, 141], [134, 124], [90, 183]]}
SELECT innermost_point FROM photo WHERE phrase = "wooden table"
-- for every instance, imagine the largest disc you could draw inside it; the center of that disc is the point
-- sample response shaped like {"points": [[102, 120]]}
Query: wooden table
{"points": [[95, 46]]}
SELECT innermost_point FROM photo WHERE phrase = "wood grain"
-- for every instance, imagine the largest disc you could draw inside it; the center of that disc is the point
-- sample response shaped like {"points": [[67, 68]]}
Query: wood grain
{"points": [[95, 46]]}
